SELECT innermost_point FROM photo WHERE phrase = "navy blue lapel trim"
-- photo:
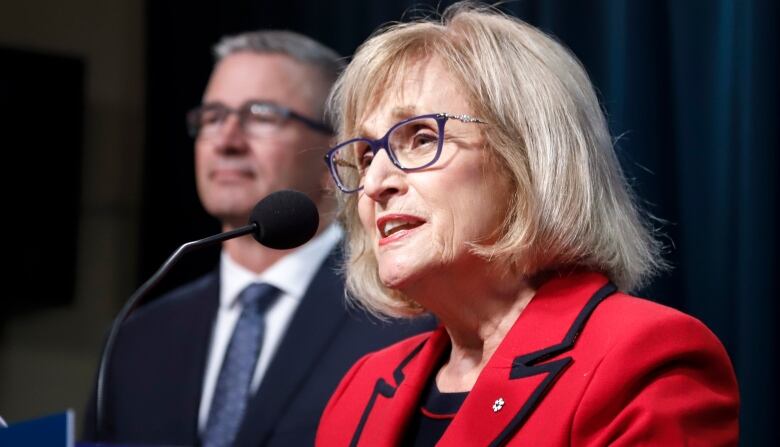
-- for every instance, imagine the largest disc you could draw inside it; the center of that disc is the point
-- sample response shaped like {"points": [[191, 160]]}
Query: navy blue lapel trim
{"points": [[532, 364], [319, 316], [386, 390]]}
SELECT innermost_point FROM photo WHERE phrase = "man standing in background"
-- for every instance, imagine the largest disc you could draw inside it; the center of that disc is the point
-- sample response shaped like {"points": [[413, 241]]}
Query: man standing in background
{"points": [[250, 353]]}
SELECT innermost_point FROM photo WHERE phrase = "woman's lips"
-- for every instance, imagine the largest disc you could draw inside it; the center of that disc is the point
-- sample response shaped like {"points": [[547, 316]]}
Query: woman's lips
{"points": [[393, 227]]}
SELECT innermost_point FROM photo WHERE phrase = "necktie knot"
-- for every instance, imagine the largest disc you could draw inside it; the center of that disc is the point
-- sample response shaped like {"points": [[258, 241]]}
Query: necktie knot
{"points": [[258, 296]]}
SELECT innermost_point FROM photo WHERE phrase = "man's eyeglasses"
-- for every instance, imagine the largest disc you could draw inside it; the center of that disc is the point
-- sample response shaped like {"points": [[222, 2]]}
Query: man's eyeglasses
{"points": [[412, 144], [256, 118]]}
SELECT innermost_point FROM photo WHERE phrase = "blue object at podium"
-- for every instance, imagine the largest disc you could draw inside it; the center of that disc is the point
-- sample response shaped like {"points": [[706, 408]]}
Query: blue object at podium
{"points": [[49, 431]]}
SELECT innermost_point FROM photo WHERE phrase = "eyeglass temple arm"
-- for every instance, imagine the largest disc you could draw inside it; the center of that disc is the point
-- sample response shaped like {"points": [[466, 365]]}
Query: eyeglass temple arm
{"points": [[316, 125]]}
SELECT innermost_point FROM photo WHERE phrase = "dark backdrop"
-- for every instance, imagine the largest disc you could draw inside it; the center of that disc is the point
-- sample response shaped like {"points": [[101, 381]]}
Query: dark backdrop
{"points": [[42, 121], [691, 94]]}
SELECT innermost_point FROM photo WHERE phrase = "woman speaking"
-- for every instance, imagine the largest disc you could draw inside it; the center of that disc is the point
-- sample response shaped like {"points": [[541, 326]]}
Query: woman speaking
{"points": [[479, 183]]}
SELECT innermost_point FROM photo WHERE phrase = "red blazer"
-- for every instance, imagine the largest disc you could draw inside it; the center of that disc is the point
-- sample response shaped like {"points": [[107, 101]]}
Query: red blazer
{"points": [[583, 365]]}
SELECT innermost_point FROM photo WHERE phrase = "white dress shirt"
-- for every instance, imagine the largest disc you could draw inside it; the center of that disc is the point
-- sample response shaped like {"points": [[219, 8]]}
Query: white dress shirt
{"points": [[292, 275]]}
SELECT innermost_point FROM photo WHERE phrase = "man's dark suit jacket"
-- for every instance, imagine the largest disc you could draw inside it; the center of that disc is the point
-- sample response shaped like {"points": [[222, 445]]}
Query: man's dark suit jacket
{"points": [[155, 377]]}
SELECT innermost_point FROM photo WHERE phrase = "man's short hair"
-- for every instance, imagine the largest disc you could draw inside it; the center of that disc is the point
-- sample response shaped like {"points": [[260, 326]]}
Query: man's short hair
{"points": [[297, 46]]}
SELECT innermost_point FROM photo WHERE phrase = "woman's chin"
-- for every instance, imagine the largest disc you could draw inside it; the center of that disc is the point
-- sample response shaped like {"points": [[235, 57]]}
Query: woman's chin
{"points": [[399, 277], [411, 270], [394, 281]]}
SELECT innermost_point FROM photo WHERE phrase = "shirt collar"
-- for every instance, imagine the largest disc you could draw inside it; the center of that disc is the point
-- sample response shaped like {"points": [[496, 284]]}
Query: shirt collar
{"points": [[291, 274]]}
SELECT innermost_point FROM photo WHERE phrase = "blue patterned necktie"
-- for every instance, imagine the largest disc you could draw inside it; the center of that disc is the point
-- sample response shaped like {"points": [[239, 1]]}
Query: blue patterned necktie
{"points": [[232, 392]]}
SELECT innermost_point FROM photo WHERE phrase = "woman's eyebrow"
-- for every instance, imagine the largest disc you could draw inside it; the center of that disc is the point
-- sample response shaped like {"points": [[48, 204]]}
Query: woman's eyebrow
{"points": [[398, 113], [403, 112]]}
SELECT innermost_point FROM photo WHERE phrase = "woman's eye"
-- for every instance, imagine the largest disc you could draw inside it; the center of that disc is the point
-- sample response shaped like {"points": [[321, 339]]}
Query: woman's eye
{"points": [[365, 158], [423, 138]]}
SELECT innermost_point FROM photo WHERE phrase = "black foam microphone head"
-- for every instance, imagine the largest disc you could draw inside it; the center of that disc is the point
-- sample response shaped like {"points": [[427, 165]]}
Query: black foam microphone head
{"points": [[285, 219]]}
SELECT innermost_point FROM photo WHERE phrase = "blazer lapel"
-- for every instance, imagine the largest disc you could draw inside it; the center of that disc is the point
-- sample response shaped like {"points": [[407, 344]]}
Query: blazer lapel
{"points": [[396, 395], [320, 314], [183, 373], [528, 362]]}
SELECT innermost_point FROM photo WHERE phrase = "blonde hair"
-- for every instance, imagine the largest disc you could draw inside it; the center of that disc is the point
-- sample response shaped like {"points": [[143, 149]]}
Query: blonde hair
{"points": [[571, 207]]}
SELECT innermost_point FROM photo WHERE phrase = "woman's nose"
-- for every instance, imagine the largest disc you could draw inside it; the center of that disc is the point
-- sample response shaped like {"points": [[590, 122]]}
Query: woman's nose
{"points": [[383, 179]]}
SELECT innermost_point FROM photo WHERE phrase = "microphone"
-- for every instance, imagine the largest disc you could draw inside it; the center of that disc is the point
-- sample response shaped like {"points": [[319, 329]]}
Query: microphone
{"points": [[282, 220], [285, 219]]}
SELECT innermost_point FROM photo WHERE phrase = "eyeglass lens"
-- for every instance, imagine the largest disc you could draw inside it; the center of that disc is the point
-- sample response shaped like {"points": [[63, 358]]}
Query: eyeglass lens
{"points": [[413, 145], [255, 119]]}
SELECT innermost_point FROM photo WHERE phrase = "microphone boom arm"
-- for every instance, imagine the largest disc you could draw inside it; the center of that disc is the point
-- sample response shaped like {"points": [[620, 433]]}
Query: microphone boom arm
{"points": [[135, 299]]}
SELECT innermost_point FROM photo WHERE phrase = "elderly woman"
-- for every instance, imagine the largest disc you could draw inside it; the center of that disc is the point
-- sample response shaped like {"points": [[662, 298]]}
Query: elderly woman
{"points": [[479, 184]]}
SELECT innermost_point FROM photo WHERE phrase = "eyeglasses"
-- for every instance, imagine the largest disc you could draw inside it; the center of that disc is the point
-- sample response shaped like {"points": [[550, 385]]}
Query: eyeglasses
{"points": [[412, 144], [256, 118]]}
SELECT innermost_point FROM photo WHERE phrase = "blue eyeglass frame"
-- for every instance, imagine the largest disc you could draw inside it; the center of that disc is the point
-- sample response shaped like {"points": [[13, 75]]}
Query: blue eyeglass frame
{"points": [[384, 143]]}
